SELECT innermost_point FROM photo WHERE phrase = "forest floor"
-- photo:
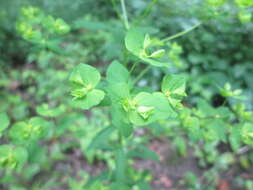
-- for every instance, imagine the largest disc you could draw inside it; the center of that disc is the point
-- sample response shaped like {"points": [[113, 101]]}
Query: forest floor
{"points": [[168, 174]]}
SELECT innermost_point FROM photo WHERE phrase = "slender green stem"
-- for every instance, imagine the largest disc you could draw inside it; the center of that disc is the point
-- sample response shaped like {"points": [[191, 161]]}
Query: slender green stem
{"points": [[143, 72], [133, 67], [116, 10], [123, 7], [181, 33], [146, 11], [125, 57]]}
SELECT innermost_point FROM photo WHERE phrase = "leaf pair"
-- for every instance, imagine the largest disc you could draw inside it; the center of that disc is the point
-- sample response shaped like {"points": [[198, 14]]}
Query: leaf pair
{"points": [[4, 122], [84, 78], [25, 132], [46, 111], [149, 108], [36, 27], [247, 133], [244, 3], [137, 43], [216, 3], [173, 87], [142, 108], [12, 157]]}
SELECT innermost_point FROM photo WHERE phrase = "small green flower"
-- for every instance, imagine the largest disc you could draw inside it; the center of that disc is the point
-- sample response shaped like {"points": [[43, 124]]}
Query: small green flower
{"points": [[61, 27], [247, 133], [82, 92], [129, 104], [84, 79], [12, 157], [245, 16], [145, 111], [244, 3]]}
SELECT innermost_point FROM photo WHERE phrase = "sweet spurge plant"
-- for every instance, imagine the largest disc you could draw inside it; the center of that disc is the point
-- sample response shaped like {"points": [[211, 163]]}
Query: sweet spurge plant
{"points": [[128, 107], [126, 103]]}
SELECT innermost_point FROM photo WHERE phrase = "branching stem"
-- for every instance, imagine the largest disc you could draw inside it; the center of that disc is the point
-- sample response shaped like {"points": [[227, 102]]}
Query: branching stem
{"points": [[124, 12], [133, 67], [146, 11], [143, 72], [181, 33]]}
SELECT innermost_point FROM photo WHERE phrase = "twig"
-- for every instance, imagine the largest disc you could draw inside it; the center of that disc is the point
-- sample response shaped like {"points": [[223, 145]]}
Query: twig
{"points": [[143, 72], [181, 33], [243, 150], [133, 67], [123, 7]]}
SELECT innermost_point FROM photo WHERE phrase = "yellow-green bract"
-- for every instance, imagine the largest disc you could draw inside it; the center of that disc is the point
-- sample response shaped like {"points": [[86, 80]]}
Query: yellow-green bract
{"points": [[84, 79], [136, 43]]}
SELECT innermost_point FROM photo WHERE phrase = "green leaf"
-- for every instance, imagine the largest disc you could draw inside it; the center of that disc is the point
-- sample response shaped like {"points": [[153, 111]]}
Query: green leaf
{"points": [[21, 155], [93, 98], [90, 25], [135, 43], [24, 132], [61, 27], [119, 116], [143, 186], [12, 157], [121, 164], [120, 121], [4, 122], [85, 75], [173, 87], [117, 73], [193, 126], [163, 110], [150, 108], [145, 111], [46, 111], [174, 84], [143, 152], [154, 62], [84, 78], [147, 41], [247, 133], [101, 138], [158, 54], [244, 16], [216, 2], [17, 188], [218, 128], [244, 3], [119, 186], [180, 144], [235, 137], [119, 92], [205, 109], [125, 129]]}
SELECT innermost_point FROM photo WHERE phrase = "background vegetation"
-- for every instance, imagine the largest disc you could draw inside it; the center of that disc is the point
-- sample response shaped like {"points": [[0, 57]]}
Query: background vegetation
{"points": [[47, 143]]}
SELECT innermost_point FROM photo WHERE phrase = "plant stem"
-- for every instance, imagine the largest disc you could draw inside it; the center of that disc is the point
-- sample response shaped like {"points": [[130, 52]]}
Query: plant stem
{"points": [[133, 67], [120, 139], [146, 11], [143, 72], [243, 150], [181, 33], [116, 10], [125, 57], [123, 7]]}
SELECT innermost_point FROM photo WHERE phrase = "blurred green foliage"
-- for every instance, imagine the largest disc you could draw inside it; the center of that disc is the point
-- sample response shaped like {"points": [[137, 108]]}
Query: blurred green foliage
{"points": [[42, 131]]}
